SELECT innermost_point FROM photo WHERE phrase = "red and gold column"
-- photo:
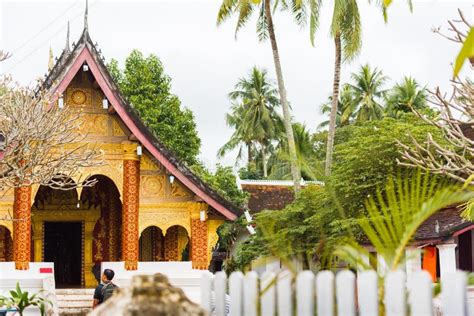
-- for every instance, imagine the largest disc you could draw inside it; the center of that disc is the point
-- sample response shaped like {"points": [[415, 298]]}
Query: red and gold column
{"points": [[131, 187], [22, 228], [199, 244]]}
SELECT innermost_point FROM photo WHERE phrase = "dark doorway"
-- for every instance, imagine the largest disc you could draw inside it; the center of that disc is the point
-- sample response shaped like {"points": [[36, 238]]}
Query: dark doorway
{"points": [[63, 246], [465, 255]]}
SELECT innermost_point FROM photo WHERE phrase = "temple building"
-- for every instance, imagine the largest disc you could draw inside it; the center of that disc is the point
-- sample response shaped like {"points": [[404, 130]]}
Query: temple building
{"points": [[145, 206]]}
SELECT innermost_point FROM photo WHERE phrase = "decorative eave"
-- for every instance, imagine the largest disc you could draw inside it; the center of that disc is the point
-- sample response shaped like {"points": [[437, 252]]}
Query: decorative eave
{"points": [[61, 76]]}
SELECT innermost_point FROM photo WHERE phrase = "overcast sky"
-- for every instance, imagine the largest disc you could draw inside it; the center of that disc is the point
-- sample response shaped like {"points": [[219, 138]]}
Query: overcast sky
{"points": [[205, 61]]}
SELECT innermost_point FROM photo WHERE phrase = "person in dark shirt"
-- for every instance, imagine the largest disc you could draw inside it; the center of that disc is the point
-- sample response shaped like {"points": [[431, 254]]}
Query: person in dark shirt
{"points": [[103, 290]]}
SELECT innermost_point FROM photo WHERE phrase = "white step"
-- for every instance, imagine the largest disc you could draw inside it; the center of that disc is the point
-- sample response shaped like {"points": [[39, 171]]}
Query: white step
{"points": [[74, 301]]}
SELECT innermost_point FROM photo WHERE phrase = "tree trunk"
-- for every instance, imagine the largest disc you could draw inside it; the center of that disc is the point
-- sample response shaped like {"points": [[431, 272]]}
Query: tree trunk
{"points": [[264, 162], [335, 99], [295, 172], [249, 153]]}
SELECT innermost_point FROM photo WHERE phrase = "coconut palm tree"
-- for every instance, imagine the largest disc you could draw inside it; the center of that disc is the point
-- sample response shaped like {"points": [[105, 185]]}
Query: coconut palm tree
{"points": [[405, 97], [345, 108], [254, 115], [265, 29], [367, 91], [280, 168], [241, 138], [346, 32]]}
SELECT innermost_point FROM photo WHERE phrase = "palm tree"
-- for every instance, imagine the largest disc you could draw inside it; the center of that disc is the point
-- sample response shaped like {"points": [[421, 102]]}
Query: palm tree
{"points": [[241, 137], [367, 91], [345, 108], [280, 168], [265, 29], [405, 97], [254, 116], [346, 32]]}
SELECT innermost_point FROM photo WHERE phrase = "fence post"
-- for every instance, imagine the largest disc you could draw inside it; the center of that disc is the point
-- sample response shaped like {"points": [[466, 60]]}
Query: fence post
{"points": [[206, 289], [251, 294], [454, 294], [284, 294], [220, 289], [305, 294], [267, 290], [325, 293], [421, 294], [236, 293], [395, 292], [345, 293], [367, 293]]}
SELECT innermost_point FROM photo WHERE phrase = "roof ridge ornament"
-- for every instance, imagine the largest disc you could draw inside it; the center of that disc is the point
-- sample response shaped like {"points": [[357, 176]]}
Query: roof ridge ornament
{"points": [[86, 13], [51, 59], [67, 49]]}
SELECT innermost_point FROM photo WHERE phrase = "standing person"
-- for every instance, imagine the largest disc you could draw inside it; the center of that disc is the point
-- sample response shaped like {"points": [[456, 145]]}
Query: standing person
{"points": [[105, 289]]}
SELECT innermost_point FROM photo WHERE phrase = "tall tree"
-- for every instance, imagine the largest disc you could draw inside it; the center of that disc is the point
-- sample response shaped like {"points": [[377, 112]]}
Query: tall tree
{"points": [[367, 91], [265, 29], [346, 32], [280, 168], [147, 87], [254, 115], [405, 97]]}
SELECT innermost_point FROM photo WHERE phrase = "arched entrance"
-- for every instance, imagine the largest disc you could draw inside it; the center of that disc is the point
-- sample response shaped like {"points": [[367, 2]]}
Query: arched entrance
{"points": [[107, 231], [151, 244], [77, 233], [6, 245], [173, 246], [59, 226]]}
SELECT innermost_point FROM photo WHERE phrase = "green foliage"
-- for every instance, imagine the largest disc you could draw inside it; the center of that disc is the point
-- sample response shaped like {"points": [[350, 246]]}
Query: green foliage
{"points": [[223, 181], [396, 212], [405, 97], [148, 89], [280, 160], [250, 172], [245, 252], [345, 113], [365, 156], [367, 92], [20, 300], [253, 117]]}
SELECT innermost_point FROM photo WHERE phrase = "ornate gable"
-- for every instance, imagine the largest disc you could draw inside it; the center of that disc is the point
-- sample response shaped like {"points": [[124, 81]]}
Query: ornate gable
{"points": [[87, 89]]}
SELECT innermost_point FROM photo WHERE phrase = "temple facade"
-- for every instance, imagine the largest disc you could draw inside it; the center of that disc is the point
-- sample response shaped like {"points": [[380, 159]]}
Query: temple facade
{"points": [[145, 206]]}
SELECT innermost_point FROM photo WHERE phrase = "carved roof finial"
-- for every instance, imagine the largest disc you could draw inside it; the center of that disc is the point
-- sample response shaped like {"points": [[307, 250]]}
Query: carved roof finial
{"points": [[51, 59], [67, 49], [86, 13]]}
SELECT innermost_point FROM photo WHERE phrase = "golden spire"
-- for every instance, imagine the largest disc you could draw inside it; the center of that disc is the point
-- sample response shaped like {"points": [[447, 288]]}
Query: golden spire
{"points": [[51, 59]]}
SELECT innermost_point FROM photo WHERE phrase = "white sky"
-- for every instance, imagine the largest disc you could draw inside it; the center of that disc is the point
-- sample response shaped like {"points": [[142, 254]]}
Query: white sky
{"points": [[205, 61]]}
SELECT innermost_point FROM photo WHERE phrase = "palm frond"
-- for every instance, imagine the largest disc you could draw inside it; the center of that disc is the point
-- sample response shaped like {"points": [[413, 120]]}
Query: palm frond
{"points": [[398, 210]]}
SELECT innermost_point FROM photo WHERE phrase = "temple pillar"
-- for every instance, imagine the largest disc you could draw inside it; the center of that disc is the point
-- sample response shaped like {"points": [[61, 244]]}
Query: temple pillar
{"points": [[38, 241], [199, 236], [447, 259], [171, 244], [131, 186], [89, 278], [22, 227]]}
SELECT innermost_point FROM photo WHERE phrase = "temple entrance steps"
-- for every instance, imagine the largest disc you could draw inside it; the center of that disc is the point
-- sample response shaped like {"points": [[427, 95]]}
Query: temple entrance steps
{"points": [[74, 302]]}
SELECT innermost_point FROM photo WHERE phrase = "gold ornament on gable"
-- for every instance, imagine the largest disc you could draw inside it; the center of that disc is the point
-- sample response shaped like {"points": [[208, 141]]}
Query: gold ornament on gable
{"points": [[147, 164], [152, 186], [78, 97], [178, 191]]}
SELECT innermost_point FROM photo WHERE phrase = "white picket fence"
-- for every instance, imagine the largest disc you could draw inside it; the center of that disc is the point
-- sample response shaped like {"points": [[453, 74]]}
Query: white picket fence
{"points": [[327, 294]]}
